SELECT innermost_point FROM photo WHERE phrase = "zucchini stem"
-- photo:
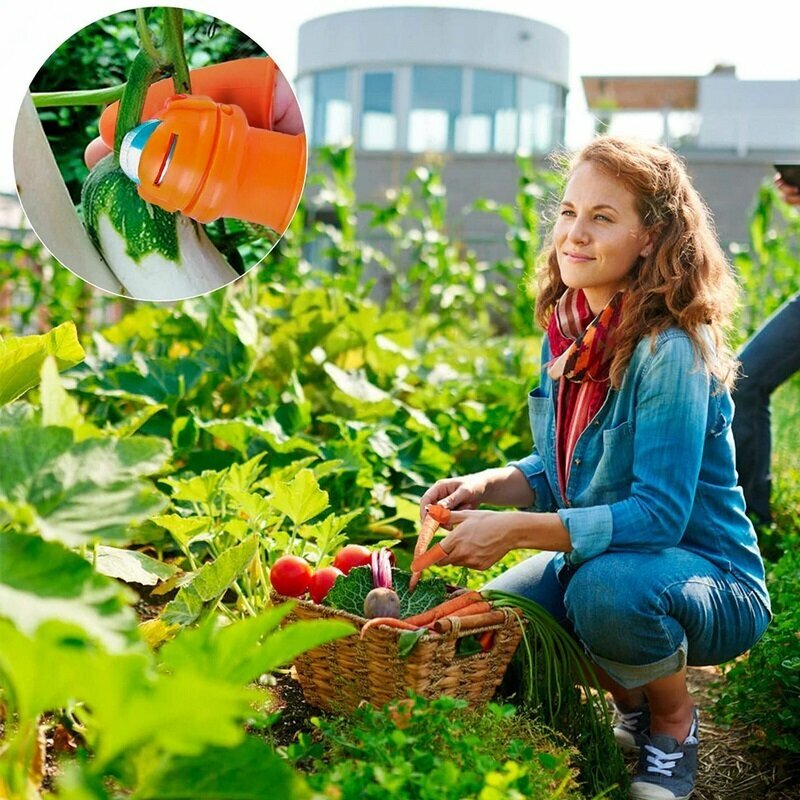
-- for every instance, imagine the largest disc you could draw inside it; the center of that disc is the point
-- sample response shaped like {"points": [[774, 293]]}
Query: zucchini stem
{"points": [[175, 53]]}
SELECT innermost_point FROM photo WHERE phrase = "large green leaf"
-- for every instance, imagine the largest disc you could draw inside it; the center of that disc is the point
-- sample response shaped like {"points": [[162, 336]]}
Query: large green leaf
{"points": [[185, 530], [300, 499], [78, 492], [250, 771], [241, 434], [39, 670], [210, 583], [240, 652], [42, 581], [21, 358], [354, 390], [132, 566]]}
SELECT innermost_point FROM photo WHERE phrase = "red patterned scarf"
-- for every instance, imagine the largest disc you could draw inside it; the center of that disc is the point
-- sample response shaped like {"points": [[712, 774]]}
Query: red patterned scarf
{"points": [[582, 345]]}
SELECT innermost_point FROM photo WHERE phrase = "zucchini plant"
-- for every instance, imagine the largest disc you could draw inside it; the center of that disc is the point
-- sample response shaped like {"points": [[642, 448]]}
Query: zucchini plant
{"points": [[153, 254]]}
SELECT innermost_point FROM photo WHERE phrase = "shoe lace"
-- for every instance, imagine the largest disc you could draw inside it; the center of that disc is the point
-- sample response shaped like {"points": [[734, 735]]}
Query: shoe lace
{"points": [[628, 720], [662, 763]]}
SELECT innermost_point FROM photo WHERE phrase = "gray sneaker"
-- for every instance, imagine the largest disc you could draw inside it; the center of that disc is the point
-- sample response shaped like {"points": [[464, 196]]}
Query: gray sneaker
{"points": [[666, 769], [631, 727]]}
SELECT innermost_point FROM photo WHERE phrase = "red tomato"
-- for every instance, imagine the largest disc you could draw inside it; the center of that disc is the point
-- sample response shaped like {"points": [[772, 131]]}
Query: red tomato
{"points": [[321, 582], [352, 555], [290, 575]]}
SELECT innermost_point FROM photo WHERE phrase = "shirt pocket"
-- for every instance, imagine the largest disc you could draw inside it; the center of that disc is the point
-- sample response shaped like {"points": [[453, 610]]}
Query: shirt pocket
{"points": [[720, 411], [539, 406], [615, 467]]}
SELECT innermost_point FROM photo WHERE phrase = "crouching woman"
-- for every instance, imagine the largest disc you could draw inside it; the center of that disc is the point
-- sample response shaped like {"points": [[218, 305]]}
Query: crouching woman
{"points": [[648, 555]]}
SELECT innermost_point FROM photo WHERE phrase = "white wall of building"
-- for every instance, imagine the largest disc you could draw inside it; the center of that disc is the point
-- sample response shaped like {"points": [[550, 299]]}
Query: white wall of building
{"points": [[748, 115], [442, 36]]}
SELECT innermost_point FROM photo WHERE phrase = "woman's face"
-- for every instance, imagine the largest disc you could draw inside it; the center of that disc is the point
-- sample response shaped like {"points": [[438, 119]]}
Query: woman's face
{"points": [[598, 235]]}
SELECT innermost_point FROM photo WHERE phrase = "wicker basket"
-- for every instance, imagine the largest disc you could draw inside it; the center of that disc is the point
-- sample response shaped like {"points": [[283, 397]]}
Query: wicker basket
{"points": [[340, 675]]}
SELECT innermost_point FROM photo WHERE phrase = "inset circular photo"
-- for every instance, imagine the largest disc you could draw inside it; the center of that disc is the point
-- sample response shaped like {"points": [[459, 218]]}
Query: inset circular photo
{"points": [[160, 153]]}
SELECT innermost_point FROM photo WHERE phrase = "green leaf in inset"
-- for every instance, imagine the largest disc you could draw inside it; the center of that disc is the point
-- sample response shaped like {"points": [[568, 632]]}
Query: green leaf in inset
{"points": [[325, 536], [240, 433], [132, 566], [43, 581], [301, 499], [250, 771], [21, 358], [209, 584]]}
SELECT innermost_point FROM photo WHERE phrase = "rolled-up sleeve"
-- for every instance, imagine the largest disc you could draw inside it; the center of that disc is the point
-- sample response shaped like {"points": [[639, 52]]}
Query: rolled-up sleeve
{"points": [[532, 467], [669, 429]]}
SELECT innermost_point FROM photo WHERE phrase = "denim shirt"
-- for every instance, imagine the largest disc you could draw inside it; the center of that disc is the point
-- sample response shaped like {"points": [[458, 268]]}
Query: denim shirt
{"points": [[655, 467]]}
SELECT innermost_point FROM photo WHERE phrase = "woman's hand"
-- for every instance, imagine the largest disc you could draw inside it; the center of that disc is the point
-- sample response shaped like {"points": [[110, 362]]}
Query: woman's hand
{"points": [[500, 486], [480, 538], [789, 192], [286, 118], [455, 493]]}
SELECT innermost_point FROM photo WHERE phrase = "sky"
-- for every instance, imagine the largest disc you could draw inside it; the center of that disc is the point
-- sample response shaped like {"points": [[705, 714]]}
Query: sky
{"points": [[612, 37]]}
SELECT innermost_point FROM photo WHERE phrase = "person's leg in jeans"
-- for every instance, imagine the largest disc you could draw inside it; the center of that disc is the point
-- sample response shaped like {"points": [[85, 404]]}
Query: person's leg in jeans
{"points": [[642, 617], [536, 579], [770, 357]]}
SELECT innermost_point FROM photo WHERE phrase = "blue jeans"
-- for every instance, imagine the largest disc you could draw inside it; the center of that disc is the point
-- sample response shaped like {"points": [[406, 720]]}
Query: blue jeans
{"points": [[644, 615], [770, 357]]}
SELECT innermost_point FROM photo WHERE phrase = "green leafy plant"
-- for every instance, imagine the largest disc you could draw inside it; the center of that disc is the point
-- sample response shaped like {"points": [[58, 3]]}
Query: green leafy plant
{"points": [[434, 750], [166, 730], [762, 691]]}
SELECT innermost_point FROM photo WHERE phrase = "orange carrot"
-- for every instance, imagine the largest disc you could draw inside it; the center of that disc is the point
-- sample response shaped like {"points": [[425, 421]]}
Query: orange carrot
{"points": [[390, 622], [428, 558], [436, 515], [443, 609], [477, 607], [486, 640]]}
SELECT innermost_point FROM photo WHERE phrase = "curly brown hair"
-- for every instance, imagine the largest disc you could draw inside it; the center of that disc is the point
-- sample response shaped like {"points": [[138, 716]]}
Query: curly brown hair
{"points": [[686, 281]]}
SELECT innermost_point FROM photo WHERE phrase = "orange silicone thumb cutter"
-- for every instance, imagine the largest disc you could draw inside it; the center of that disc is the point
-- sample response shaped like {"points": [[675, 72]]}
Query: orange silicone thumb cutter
{"points": [[205, 159], [247, 82]]}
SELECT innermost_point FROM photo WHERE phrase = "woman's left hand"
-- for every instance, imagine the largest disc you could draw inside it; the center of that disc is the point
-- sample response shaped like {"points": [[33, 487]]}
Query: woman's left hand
{"points": [[480, 538]]}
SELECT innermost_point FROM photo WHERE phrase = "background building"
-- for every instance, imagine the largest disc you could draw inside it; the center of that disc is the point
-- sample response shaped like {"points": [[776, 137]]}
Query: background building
{"points": [[728, 131], [468, 88]]}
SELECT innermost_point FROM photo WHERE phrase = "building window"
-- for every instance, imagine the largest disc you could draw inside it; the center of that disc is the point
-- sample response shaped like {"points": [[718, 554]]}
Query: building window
{"points": [[435, 106], [378, 122], [541, 118], [331, 116], [492, 123]]}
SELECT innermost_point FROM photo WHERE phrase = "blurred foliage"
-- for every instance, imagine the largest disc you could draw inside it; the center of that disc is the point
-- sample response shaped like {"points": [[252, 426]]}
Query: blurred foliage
{"points": [[767, 265]]}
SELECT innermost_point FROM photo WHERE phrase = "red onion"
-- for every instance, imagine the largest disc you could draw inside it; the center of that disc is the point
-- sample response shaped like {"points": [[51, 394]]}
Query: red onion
{"points": [[381, 563]]}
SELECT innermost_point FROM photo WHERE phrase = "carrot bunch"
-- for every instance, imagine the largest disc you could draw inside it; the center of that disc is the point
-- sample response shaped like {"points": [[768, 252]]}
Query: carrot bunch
{"points": [[462, 605]]}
